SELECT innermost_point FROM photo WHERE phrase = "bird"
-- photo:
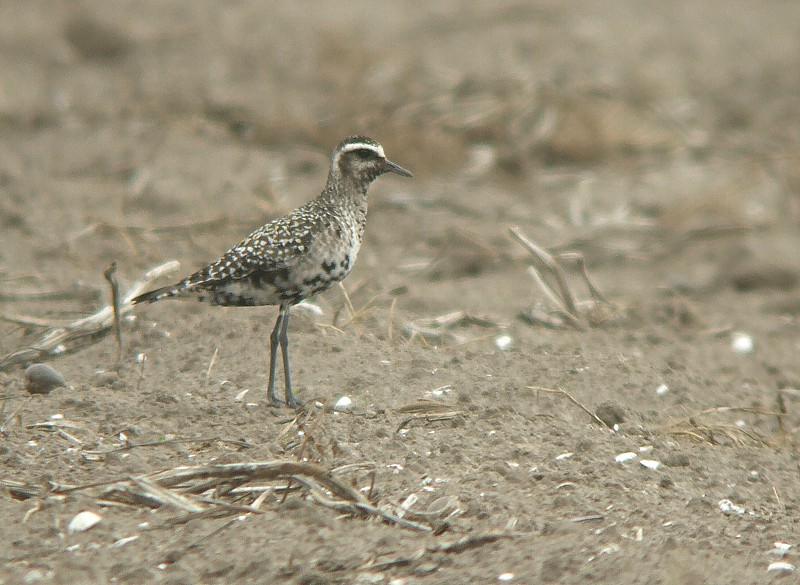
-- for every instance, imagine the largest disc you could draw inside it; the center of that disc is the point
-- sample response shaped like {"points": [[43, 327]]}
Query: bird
{"points": [[294, 257]]}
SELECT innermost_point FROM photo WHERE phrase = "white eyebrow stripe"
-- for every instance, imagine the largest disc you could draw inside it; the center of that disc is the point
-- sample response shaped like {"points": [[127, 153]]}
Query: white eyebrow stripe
{"points": [[363, 145]]}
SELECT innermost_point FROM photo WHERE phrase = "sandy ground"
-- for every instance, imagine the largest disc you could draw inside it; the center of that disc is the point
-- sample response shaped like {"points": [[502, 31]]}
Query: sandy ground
{"points": [[661, 140]]}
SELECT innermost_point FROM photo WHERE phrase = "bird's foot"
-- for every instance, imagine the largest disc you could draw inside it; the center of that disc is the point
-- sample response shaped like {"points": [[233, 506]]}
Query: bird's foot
{"points": [[293, 402]]}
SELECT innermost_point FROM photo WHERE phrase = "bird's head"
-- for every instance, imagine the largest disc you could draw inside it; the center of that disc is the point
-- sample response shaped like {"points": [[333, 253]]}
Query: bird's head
{"points": [[361, 160]]}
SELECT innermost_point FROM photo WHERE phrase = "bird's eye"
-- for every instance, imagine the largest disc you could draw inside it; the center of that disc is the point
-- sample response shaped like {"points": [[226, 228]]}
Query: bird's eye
{"points": [[365, 153]]}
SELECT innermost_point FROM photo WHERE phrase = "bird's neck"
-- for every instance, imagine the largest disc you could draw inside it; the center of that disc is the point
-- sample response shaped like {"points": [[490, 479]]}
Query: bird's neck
{"points": [[346, 191]]}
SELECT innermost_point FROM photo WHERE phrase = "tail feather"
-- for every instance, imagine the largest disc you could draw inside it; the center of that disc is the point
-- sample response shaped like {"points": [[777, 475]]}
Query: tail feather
{"points": [[164, 292]]}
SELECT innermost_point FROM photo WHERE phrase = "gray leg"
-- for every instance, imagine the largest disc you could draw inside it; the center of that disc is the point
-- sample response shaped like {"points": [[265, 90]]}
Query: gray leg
{"points": [[274, 340], [284, 341]]}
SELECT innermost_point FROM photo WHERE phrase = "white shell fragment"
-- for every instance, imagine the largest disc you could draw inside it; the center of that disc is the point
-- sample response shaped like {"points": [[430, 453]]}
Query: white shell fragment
{"points": [[625, 457], [343, 404], [441, 391], [741, 342], [406, 504], [310, 308], [503, 342], [780, 549], [564, 456], [505, 577], [610, 549], [729, 507], [662, 390], [780, 566], [83, 521], [126, 540], [650, 463]]}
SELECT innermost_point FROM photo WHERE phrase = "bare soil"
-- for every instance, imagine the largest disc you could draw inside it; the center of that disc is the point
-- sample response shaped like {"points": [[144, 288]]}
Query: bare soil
{"points": [[659, 139]]}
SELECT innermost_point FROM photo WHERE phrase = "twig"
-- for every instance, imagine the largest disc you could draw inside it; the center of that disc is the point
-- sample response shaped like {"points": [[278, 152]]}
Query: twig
{"points": [[365, 308], [81, 294], [258, 470], [554, 298], [578, 314], [705, 432], [569, 397], [131, 446], [547, 260], [141, 358], [427, 334], [193, 545], [427, 418], [581, 262], [390, 326], [358, 507], [470, 542], [746, 409], [57, 341], [162, 496], [195, 489], [347, 300], [211, 365], [781, 414], [777, 497], [439, 328], [457, 547], [110, 276], [428, 411], [7, 419], [710, 430], [588, 518], [26, 320]]}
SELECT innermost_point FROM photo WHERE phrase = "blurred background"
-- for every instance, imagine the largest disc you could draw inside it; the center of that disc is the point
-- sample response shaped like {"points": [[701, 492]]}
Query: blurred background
{"points": [[563, 114]]}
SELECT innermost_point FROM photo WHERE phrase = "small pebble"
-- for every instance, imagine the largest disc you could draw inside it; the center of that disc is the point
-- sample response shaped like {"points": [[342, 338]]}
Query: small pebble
{"points": [[42, 379], [610, 413], [505, 577], [103, 378], [662, 390]]}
